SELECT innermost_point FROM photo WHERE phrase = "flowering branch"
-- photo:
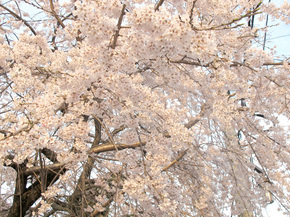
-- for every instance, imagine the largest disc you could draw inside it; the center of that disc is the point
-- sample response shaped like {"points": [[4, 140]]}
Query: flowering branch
{"points": [[26, 128], [233, 64], [19, 18], [248, 14]]}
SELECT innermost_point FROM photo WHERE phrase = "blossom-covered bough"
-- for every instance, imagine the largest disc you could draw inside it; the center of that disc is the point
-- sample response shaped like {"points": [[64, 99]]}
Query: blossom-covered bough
{"points": [[141, 108]]}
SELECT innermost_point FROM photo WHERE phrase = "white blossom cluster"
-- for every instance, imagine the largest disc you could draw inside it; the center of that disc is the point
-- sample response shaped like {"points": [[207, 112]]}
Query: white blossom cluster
{"points": [[167, 105]]}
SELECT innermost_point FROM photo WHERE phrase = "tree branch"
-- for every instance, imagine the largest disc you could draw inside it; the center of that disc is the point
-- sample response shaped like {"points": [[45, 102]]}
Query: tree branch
{"points": [[158, 5], [55, 15], [36, 170], [117, 33], [195, 120], [191, 15], [52, 156], [175, 161], [233, 64], [118, 130], [26, 128], [19, 18], [87, 168], [111, 147], [30, 195]]}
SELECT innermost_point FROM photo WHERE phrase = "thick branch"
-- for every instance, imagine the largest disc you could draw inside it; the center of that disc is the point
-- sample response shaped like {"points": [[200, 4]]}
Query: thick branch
{"points": [[36, 170], [55, 15], [52, 156], [74, 198], [111, 147], [117, 33], [30, 195], [158, 5], [95, 150]]}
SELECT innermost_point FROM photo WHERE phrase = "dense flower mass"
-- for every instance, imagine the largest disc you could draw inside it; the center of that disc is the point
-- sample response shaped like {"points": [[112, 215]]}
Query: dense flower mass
{"points": [[141, 108]]}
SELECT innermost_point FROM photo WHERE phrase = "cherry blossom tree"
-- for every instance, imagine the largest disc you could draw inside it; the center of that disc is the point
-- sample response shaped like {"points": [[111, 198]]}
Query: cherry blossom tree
{"points": [[141, 108]]}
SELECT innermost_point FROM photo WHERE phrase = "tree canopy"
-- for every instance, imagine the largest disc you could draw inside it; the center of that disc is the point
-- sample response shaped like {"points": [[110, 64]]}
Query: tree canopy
{"points": [[141, 108]]}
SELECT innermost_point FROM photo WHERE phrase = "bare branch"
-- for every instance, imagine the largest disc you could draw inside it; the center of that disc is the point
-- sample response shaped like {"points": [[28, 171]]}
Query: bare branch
{"points": [[193, 63], [224, 25], [117, 33], [195, 120], [158, 5], [49, 154], [175, 161], [111, 147], [55, 15], [37, 170], [118, 130]]}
